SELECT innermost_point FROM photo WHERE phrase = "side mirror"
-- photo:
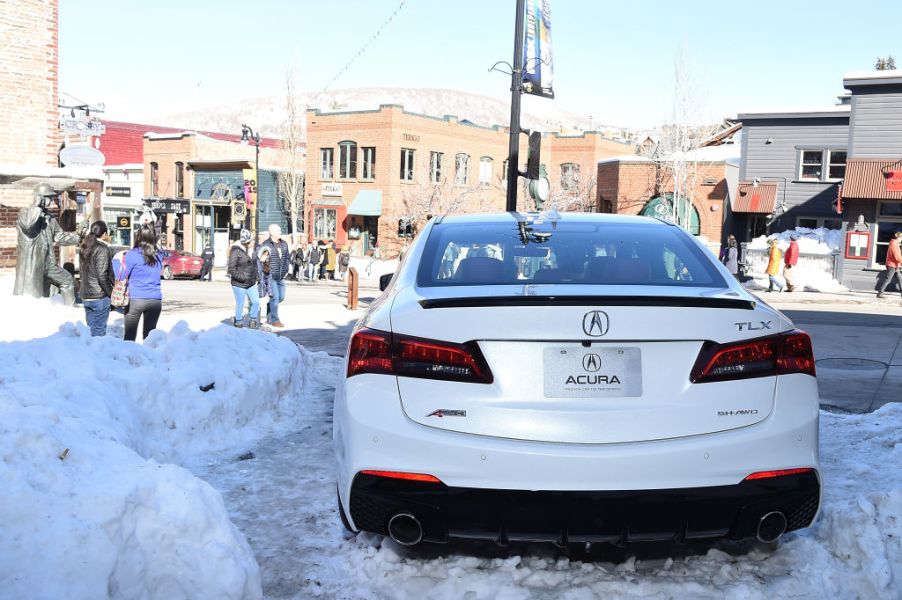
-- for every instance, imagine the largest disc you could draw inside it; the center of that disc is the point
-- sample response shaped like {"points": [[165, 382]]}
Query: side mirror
{"points": [[385, 281]]}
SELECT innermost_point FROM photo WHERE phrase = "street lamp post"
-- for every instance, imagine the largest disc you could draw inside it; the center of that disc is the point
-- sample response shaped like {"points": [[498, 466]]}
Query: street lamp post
{"points": [[248, 134]]}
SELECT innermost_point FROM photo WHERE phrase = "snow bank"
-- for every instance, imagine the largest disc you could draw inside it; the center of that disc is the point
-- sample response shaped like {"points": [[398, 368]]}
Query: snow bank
{"points": [[811, 241], [88, 510]]}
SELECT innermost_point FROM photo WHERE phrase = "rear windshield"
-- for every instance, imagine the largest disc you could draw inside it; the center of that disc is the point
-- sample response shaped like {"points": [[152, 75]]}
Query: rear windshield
{"points": [[577, 252]]}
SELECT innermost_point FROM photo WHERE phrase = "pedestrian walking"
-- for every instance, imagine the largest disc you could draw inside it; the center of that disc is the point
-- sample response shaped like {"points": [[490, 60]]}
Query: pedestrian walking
{"points": [[96, 260], [730, 257], [344, 261], [143, 265], [790, 260], [264, 274], [773, 266], [206, 271], [278, 265], [302, 258], [330, 260], [314, 257], [893, 263], [243, 273], [322, 259]]}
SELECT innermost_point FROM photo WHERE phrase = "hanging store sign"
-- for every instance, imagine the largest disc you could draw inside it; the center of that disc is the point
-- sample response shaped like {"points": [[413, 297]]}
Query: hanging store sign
{"points": [[537, 54], [82, 126], [118, 192], [331, 189], [893, 180], [81, 156], [124, 222], [168, 205]]}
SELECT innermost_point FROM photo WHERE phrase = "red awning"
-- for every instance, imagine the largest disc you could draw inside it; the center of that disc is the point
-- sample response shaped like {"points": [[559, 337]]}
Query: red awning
{"points": [[759, 199], [871, 179]]}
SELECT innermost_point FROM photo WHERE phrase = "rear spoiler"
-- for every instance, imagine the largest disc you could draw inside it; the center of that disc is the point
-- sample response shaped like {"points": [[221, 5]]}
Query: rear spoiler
{"points": [[662, 301]]}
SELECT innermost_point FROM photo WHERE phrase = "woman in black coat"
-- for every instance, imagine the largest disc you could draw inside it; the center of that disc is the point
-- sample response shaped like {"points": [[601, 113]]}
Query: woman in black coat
{"points": [[243, 272]]}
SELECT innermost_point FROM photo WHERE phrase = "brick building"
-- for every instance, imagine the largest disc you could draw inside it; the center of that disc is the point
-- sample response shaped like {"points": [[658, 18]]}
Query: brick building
{"points": [[634, 185], [192, 182], [369, 170], [30, 135]]}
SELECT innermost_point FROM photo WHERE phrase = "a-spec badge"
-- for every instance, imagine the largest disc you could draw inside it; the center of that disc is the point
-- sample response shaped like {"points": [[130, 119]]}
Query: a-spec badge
{"points": [[596, 323], [446, 412]]}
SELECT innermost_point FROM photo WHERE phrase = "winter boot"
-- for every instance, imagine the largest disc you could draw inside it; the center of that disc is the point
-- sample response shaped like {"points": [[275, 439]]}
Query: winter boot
{"points": [[237, 323], [253, 324]]}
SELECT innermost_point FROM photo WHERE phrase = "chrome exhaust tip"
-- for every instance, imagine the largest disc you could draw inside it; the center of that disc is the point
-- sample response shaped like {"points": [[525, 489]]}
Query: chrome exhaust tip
{"points": [[771, 527], [405, 529]]}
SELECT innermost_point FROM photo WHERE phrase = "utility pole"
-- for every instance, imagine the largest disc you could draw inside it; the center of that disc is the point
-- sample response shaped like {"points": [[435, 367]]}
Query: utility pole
{"points": [[513, 158], [247, 132]]}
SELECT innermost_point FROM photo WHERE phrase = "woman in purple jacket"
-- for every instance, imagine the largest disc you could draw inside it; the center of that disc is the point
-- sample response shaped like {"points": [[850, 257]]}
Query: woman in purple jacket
{"points": [[142, 268]]}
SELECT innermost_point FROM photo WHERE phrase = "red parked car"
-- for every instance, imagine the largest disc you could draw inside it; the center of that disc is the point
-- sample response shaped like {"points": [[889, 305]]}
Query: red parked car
{"points": [[178, 263]]}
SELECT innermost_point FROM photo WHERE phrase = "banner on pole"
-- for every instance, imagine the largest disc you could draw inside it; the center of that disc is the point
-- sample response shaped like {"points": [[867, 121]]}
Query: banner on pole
{"points": [[537, 54]]}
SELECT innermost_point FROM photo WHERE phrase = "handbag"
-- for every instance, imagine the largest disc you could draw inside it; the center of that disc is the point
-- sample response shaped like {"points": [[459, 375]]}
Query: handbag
{"points": [[119, 295]]}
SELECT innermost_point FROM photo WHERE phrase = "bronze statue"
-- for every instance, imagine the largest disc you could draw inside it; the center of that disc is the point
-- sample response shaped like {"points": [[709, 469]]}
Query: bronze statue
{"points": [[38, 231]]}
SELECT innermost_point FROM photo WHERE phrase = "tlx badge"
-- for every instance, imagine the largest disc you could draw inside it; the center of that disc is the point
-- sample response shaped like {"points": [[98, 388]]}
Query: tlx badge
{"points": [[446, 412], [749, 326]]}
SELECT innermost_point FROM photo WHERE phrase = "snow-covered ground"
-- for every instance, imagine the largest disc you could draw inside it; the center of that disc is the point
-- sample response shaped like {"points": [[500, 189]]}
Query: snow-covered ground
{"points": [[171, 492]]}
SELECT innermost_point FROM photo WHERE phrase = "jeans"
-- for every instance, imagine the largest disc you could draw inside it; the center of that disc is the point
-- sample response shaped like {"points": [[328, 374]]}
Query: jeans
{"points": [[252, 294], [311, 271], [775, 283], [890, 274], [276, 295], [97, 311], [151, 310]]}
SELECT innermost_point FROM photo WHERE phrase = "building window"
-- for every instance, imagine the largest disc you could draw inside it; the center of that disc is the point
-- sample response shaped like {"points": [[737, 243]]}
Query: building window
{"points": [[461, 168], [837, 162], [326, 160], [347, 160], [569, 176], [369, 163], [407, 156], [179, 180], [154, 178], [435, 167], [485, 170], [325, 223], [822, 165]]}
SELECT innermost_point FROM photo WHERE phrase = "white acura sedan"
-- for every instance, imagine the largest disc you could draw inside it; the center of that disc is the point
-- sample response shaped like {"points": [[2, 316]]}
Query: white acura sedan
{"points": [[574, 378]]}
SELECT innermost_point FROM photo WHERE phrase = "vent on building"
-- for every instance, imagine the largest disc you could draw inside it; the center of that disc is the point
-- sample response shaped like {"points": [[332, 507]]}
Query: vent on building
{"points": [[710, 181]]}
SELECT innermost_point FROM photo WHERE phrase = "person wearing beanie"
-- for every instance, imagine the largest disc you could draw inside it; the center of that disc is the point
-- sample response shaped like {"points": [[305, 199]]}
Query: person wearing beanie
{"points": [[243, 274], [790, 260]]}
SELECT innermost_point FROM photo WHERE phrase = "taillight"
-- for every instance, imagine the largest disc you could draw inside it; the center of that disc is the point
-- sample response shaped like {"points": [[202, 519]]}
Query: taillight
{"points": [[776, 355], [373, 351], [780, 473], [403, 475]]}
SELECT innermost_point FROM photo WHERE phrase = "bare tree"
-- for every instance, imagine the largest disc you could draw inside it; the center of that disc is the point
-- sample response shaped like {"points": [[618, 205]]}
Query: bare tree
{"points": [[574, 192], [445, 196], [885, 64], [292, 155]]}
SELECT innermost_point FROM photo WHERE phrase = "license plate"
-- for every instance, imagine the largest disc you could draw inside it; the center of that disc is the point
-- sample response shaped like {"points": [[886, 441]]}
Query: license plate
{"points": [[592, 372]]}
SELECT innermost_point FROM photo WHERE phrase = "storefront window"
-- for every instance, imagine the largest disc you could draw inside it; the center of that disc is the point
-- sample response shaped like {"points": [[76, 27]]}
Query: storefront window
{"points": [[325, 223]]}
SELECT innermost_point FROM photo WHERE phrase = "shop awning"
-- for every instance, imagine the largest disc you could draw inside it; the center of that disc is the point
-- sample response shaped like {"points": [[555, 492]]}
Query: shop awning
{"points": [[661, 207], [757, 199], [367, 203], [872, 178], [328, 202]]}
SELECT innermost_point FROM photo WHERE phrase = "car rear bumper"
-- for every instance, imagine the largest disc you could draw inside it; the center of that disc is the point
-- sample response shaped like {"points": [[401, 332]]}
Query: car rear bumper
{"points": [[731, 511]]}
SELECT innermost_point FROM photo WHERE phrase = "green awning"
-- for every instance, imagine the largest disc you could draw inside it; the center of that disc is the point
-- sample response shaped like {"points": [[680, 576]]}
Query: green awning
{"points": [[661, 207], [367, 203]]}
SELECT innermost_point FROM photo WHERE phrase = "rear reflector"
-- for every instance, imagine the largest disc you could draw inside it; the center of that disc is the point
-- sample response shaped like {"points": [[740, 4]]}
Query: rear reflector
{"points": [[781, 473], [402, 475], [775, 355], [373, 351]]}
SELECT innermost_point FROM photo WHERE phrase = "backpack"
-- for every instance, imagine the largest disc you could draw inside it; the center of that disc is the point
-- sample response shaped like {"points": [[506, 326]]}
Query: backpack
{"points": [[345, 260], [315, 255]]}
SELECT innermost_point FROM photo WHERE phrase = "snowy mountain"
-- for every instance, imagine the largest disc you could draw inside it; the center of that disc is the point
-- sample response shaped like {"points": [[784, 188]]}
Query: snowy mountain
{"points": [[269, 113]]}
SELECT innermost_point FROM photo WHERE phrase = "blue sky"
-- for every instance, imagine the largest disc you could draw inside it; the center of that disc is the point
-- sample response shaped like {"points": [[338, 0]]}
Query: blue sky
{"points": [[612, 60]]}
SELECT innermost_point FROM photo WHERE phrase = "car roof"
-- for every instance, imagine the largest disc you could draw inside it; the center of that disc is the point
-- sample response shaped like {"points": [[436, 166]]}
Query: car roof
{"points": [[507, 217]]}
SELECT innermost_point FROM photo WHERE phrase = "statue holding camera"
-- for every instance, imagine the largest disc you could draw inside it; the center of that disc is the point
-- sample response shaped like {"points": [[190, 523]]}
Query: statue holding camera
{"points": [[38, 231]]}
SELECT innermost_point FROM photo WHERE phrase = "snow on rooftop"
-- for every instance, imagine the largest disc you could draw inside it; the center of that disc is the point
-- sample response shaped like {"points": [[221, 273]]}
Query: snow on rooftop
{"points": [[800, 111], [893, 74], [635, 158]]}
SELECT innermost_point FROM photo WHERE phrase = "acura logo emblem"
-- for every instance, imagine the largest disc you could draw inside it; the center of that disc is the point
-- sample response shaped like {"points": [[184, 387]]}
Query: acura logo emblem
{"points": [[595, 323], [591, 363]]}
